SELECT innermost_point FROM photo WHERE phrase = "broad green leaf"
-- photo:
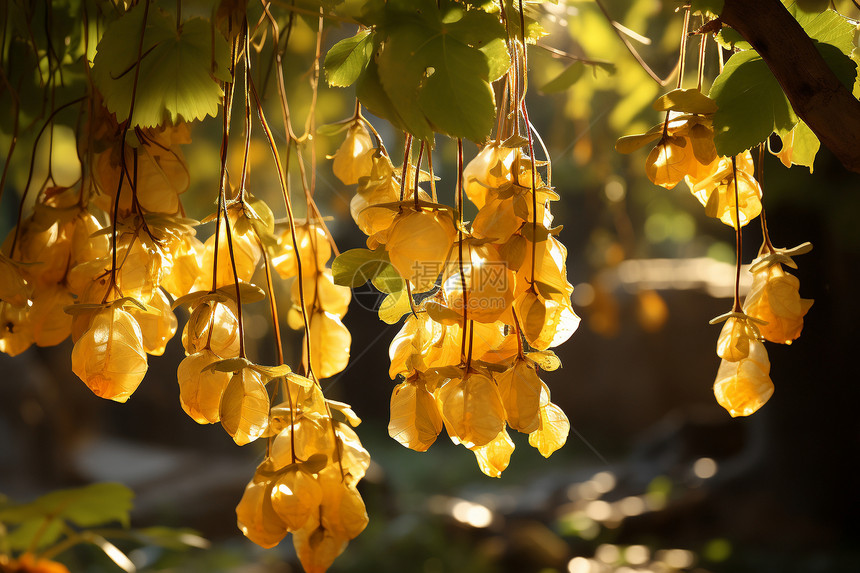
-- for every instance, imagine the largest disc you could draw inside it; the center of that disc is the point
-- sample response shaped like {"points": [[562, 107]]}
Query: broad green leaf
{"points": [[22, 537], [355, 267], [804, 146], [565, 79], [372, 95], [177, 79], [686, 101], [86, 506], [388, 280], [483, 31], [827, 27], [751, 104], [345, 61]]}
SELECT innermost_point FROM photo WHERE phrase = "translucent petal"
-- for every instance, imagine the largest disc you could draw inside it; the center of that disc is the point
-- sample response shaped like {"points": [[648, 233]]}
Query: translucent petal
{"points": [[415, 418], [296, 496], [109, 357], [744, 386], [494, 457], [200, 391], [244, 407]]}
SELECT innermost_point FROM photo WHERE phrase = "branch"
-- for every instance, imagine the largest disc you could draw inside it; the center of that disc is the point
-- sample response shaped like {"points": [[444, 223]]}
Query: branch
{"points": [[815, 93]]}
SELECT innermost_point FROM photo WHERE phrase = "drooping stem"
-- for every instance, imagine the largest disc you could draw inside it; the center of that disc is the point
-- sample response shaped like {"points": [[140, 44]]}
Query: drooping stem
{"points": [[682, 58], [459, 199], [418, 173], [282, 178], [702, 44], [765, 235], [738, 238], [534, 198], [404, 171]]}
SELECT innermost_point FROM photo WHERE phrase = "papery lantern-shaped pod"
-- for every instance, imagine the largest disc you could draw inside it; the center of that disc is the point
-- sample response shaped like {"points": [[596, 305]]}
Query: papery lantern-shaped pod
{"points": [[744, 386], [774, 297], [49, 324], [493, 458], [497, 219], [86, 246], [162, 174], [16, 336], [669, 161], [201, 388], [716, 192], [490, 169], [330, 342], [321, 292], [109, 357], [314, 250], [354, 458], [343, 510], [142, 267], [353, 159], [186, 272], [520, 390], [13, 288], [735, 339], [157, 323], [472, 409], [554, 427], [255, 515], [214, 325], [550, 257], [45, 250], [247, 254], [545, 323], [307, 434], [296, 496], [489, 283], [244, 409], [415, 417], [317, 546], [418, 246]]}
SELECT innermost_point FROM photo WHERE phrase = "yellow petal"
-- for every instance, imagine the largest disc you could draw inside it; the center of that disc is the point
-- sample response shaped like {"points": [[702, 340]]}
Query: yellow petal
{"points": [[415, 418], [744, 386], [472, 409], [245, 407], [109, 357], [494, 457], [553, 431], [200, 391], [520, 389], [257, 518], [330, 342], [296, 495]]}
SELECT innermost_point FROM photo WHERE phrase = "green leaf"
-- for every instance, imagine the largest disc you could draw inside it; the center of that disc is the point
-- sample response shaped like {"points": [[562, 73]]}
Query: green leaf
{"points": [[434, 78], [388, 280], [827, 27], [483, 31], [86, 506], [804, 146], [751, 104], [177, 78], [372, 95], [565, 79], [345, 61], [355, 267], [23, 536]]}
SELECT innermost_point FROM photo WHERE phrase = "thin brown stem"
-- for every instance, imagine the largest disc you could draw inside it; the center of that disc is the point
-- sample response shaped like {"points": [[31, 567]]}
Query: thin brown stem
{"points": [[404, 171], [738, 240], [459, 199], [418, 173]]}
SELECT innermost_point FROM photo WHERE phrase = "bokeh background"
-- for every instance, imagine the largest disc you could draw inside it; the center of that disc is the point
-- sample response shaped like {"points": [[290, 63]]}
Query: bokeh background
{"points": [[655, 475]]}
